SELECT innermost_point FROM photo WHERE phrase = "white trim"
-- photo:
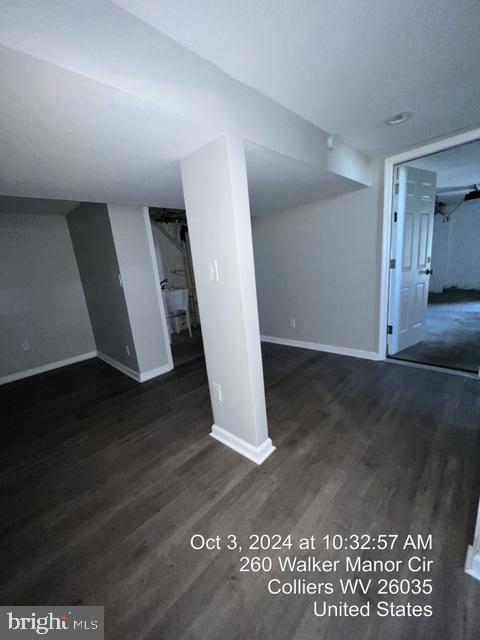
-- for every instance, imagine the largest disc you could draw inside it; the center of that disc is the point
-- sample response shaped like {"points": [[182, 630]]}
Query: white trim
{"points": [[432, 367], [47, 367], [158, 288], [472, 563], [328, 348], [139, 377], [118, 365], [257, 453], [406, 156], [153, 373]]}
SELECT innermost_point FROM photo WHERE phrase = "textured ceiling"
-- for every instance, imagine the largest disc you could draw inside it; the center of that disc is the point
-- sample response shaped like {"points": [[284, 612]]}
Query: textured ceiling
{"points": [[98, 106], [71, 137], [344, 65]]}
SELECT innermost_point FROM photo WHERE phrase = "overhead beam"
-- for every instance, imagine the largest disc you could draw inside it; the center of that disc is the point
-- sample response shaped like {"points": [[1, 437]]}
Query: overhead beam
{"points": [[95, 38]]}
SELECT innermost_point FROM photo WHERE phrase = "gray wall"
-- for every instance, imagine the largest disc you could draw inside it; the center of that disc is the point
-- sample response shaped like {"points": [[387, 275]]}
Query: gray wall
{"points": [[132, 235], [456, 249], [41, 296], [99, 270], [320, 264]]}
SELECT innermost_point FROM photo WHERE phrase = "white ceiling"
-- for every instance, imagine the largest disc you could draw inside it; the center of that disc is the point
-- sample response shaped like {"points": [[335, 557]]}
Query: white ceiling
{"points": [[456, 167], [97, 105], [277, 182], [70, 137], [344, 65]]}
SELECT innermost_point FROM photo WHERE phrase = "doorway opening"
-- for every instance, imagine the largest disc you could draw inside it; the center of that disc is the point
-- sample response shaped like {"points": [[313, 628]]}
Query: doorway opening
{"points": [[434, 260], [177, 281]]}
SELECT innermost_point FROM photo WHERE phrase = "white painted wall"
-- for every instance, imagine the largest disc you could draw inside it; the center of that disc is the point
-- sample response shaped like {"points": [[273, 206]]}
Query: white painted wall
{"points": [[132, 236], [320, 264], [456, 249], [216, 196], [41, 297]]}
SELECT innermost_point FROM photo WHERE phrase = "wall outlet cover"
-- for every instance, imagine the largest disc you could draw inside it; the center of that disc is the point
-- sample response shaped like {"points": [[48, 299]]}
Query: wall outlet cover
{"points": [[217, 391], [293, 323], [213, 274]]}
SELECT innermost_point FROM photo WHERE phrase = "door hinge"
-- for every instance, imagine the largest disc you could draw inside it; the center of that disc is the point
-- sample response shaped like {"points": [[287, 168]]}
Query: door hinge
{"points": [[395, 216], [393, 263], [389, 329]]}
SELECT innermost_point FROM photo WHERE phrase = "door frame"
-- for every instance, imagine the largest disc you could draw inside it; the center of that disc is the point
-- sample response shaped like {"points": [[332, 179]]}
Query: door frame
{"points": [[405, 156]]}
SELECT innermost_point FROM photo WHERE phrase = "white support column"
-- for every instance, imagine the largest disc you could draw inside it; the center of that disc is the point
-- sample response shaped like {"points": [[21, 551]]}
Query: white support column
{"points": [[472, 564], [218, 212]]}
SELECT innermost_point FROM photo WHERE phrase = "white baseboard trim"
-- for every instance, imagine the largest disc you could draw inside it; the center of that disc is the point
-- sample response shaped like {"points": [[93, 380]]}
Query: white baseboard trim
{"points": [[19, 375], [153, 373], [119, 366], [139, 377], [256, 454], [315, 346], [472, 563]]}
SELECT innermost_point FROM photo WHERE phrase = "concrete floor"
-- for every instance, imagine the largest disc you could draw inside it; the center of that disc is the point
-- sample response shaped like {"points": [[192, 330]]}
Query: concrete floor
{"points": [[453, 338]]}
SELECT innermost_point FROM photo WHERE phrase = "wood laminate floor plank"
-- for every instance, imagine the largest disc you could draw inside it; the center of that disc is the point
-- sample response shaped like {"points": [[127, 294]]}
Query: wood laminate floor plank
{"points": [[104, 481]]}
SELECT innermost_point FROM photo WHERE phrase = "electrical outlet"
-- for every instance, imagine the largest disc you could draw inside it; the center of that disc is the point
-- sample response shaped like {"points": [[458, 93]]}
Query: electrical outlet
{"points": [[213, 274], [26, 345], [127, 349], [293, 323], [217, 391]]}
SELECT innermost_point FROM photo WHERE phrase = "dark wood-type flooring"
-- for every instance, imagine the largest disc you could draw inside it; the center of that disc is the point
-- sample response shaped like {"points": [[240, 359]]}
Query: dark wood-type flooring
{"points": [[104, 480], [185, 348]]}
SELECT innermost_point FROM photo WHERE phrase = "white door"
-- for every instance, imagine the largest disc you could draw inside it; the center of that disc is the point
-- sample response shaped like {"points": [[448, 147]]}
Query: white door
{"points": [[411, 251]]}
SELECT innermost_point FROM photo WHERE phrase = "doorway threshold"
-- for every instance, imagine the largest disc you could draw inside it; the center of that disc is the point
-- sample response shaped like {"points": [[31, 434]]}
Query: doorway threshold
{"points": [[434, 367]]}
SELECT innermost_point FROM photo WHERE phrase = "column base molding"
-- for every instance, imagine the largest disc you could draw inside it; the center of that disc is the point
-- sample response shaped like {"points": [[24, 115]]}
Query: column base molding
{"points": [[256, 454]]}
